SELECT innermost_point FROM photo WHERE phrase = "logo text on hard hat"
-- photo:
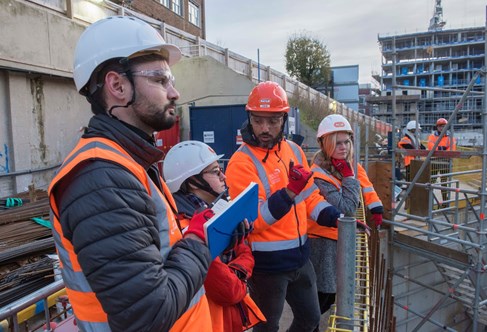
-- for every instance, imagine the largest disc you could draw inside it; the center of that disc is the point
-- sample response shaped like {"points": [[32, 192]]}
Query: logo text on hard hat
{"points": [[339, 124]]}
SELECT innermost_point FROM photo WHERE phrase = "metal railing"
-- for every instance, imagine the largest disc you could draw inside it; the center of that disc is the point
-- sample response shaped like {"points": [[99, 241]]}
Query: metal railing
{"points": [[13, 312]]}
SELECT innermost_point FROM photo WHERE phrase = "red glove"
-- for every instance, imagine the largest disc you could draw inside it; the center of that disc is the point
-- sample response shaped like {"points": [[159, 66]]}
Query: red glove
{"points": [[298, 177], [377, 219], [343, 167], [196, 223]]}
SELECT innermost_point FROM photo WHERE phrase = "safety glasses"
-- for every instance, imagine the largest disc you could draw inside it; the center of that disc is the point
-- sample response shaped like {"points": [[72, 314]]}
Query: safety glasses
{"points": [[163, 77], [217, 171]]}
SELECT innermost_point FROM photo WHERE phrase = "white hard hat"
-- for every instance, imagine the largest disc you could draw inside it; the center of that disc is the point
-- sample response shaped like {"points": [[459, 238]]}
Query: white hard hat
{"points": [[412, 125], [117, 37], [333, 123], [186, 159]]}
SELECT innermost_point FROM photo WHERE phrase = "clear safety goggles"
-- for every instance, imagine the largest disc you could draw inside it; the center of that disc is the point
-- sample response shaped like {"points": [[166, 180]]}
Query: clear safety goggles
{"points": [[162, 77], [272, 121]]}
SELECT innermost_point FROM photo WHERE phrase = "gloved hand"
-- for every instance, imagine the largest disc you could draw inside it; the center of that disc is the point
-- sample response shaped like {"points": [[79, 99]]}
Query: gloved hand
{"points": [[238, 235], [196, 223], [343, 167], [298, 177], [377, 219], [441, 148], [364, 226]]}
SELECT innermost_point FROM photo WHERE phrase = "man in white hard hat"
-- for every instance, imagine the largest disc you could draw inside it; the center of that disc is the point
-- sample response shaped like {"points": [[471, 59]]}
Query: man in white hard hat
{"points": [[410, 141], [125, 263]]}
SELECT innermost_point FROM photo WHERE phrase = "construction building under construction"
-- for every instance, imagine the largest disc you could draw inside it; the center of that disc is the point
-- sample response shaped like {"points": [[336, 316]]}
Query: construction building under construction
{"points": [[445, 60]]}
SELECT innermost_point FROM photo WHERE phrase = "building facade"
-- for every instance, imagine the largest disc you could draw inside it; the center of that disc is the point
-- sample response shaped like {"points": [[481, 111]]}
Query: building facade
{"points": [[186, 15], [365, 91], [442, 64], [345, 85]]}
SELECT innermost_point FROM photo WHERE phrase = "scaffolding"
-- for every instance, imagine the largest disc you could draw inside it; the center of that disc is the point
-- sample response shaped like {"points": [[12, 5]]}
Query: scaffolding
{"points": [[440, 235]]}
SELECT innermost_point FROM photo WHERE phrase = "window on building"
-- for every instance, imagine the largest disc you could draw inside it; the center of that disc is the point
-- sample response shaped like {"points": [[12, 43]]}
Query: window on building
{"points": [[165, 3], [176, 6], [194, 14]]}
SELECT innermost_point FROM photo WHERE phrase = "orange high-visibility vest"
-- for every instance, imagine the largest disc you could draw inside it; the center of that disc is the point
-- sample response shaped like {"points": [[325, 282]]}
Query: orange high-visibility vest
{"points": [[269, 234], [405, 141], [89, 313], [448, 142], [371, 199]]}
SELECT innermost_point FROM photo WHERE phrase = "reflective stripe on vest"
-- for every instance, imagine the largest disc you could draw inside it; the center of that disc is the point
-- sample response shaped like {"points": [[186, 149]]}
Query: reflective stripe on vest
{"points": [[279, 245], [264, 207], [315, 230], [88, 310], [328, 175]]}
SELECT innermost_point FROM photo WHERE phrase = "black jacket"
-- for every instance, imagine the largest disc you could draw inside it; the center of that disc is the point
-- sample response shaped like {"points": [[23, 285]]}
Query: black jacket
{"points": [[109, 218]]}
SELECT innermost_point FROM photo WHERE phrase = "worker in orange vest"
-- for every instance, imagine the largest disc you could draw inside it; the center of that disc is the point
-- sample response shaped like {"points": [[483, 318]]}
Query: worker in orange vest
{"points": [[410, 141], [447, 143], [279, 241], [124, 261], [195, 178], [334, 176]]}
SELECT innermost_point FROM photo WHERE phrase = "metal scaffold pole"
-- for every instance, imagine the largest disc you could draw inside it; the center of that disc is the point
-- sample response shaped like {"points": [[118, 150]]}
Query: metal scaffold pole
{"points": [[452, 238]]}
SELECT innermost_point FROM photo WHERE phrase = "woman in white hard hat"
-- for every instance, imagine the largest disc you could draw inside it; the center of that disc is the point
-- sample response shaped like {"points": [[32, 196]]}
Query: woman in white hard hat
{"points": [[335, 178], [195, 178]]}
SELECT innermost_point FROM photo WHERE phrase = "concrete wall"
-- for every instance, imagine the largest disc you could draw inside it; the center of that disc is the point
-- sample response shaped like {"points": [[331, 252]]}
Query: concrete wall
{"points": [[42, 117], [36, 40], [40, 110], [205, 81]]}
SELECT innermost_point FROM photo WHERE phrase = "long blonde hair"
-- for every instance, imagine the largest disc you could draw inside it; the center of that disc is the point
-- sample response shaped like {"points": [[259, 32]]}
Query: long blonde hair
{"points": [[328, 144]]}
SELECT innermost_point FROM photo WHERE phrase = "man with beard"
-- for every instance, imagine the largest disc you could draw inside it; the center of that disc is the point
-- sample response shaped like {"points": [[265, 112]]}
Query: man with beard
{"points": [[279, 241], [125, 264]]}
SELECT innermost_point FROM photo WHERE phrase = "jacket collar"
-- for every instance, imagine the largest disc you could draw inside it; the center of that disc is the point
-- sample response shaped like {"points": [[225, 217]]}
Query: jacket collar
{"points": [[140, 148]]}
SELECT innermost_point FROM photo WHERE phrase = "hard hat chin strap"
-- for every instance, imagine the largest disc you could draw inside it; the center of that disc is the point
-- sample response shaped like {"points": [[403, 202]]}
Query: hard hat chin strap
{"points": [[198, 181], [128, 73]]}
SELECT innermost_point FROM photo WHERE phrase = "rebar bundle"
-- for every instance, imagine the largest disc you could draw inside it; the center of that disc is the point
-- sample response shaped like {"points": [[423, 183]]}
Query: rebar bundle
{"points": [[24, 243]]}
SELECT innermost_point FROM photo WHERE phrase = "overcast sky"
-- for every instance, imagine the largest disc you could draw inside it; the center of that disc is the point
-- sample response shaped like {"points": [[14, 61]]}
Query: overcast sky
{"points": [[348, 28]]}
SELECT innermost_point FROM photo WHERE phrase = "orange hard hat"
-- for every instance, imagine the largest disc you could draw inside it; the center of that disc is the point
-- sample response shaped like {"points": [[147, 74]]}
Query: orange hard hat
{"points": [[267, 97], [441, 121]]}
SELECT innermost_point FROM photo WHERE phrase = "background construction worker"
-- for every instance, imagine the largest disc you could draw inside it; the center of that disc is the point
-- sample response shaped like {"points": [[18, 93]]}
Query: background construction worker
{"points": [[334, 176], [279, 241], [409, 141], [447, 143], [125, 264], [196, 179]]}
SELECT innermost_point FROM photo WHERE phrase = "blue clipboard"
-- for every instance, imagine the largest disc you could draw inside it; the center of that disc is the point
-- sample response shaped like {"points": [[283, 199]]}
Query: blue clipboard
{"points": [[218, 230]]}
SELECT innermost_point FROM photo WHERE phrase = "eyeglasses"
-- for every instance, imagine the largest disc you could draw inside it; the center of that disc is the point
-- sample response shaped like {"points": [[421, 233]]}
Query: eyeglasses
{"points": [[161, 76], [272, 121], [214, 171]]}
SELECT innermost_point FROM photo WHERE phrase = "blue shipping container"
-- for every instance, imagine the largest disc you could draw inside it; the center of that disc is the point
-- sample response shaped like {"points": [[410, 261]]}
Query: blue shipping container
{"points": [[218, 126]]}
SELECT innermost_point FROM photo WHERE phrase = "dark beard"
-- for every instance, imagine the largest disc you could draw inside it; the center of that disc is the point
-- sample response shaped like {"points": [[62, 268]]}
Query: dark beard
{"points": [[159, 121], [271, 143]]}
